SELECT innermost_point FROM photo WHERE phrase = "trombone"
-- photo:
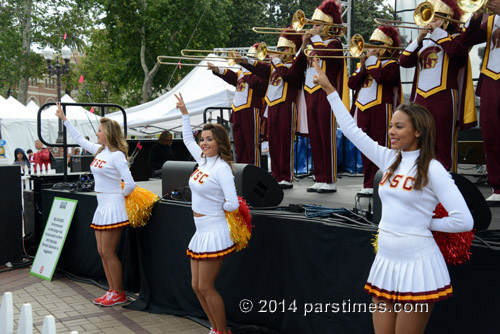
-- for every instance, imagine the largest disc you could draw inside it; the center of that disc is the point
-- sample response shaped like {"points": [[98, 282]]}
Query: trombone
{"points": [[299, 20], [163, 60], [469, 7], [263, 51], [472, 6], [356, 48], [423, 14]]}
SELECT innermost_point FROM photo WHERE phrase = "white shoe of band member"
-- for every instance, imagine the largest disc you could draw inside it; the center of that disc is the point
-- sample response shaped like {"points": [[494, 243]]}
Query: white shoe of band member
{"points": [[328, 188], [493, 200], [315, 187], [285, 184], [368, 191]]}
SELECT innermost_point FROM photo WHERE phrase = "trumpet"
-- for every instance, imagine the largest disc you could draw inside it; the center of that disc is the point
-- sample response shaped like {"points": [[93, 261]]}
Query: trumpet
{"points": [[423, 14], [162, 60], [263, 51], [356, 48]]}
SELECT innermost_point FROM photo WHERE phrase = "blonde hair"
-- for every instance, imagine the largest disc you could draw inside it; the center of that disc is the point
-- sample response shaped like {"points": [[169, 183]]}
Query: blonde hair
{"points": [[114, 135]]}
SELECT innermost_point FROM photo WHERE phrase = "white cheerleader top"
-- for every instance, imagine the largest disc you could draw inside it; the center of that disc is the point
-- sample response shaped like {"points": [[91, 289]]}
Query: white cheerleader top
{"points": [[108, 168], [404, 209], [212, 183]]}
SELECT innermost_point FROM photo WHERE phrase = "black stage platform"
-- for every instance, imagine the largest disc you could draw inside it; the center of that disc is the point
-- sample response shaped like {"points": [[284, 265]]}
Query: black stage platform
{"points": [[292, 265]]}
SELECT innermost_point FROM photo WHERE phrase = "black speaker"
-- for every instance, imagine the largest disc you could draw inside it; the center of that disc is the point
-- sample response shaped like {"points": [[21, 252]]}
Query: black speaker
{"points": [[252, 183], [58, 165], [473, 197], [81, 163], [257, 186], [11, 233], [377, 204], [175, 177]]}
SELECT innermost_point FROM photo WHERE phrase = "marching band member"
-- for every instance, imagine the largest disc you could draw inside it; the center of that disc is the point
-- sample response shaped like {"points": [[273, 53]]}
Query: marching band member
{"points": [[281, 98], [488, 88], [247, 106], [377, 84], [441, 62], [320, 119]]}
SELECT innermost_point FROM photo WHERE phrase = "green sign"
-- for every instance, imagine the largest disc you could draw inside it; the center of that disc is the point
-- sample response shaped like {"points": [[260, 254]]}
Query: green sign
{"points": [[53, 238]]}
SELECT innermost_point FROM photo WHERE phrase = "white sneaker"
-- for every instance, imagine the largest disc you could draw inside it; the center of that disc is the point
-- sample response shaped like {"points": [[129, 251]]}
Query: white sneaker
{"points": [[314, 188], [493, 200], [367, 191], [286, 184], [328, 188]]}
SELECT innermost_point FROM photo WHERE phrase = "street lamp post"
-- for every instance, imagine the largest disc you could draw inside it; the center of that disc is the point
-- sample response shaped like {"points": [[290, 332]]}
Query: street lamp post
{"points": [[57, 69]]}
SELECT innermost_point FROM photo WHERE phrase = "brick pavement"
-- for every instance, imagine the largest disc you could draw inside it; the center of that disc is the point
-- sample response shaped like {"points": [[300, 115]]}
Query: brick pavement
{"points": [[70, 304]]}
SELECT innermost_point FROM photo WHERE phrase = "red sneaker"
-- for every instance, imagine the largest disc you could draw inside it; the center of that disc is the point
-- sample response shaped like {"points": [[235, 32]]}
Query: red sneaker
{"points": [[98, 300], [114, 299]]}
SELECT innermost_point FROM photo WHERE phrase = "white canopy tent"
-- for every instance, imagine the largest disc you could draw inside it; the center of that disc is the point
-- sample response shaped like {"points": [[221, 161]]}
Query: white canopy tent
{"points": [[18, 124], [200, 89]]}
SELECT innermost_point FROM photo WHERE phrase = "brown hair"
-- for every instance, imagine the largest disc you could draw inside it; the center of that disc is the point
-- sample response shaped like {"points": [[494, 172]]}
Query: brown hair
{"points": [[114, 135], [423, 122], [164, 136], [222, 139]]}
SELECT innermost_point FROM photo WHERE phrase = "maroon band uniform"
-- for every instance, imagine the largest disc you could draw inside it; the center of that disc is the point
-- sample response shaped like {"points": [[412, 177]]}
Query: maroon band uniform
{"points": [[247, 105], [378, 92], [488, 89], [281, 97], [320, 118], [440, 62]]}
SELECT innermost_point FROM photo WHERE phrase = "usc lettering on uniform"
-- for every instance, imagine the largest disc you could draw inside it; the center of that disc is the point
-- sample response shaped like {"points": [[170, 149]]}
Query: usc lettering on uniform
{"points": [[97, 163], [199, 176], [407, 182]]}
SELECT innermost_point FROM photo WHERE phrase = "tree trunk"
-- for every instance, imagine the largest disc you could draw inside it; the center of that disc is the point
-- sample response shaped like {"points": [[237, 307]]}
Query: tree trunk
{"points": [[148, 75], [25, 52]]}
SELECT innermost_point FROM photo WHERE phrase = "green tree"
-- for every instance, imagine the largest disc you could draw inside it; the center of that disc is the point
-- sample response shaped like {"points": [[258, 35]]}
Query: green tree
{"points": [[26, 24], [363, 15], [138, 31]]}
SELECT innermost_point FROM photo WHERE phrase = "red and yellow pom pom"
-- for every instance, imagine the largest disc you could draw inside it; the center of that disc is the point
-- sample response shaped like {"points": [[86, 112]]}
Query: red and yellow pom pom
{"points": [[139, 205], [455, 247], [240, 225]]}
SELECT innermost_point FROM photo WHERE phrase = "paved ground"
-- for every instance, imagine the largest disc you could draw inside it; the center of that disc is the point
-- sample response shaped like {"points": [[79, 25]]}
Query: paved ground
{"points": [[70, 304]]}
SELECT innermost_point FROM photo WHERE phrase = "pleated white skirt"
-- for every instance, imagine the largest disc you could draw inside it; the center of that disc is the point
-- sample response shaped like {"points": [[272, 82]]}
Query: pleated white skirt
{"points": [[408, 269], [211, 239], [110, 212]]}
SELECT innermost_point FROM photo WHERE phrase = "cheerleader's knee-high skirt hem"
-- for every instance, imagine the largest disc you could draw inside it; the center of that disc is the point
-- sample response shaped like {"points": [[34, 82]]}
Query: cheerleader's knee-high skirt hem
{"points": [[211, 239], [110, 213], [408, 269]]}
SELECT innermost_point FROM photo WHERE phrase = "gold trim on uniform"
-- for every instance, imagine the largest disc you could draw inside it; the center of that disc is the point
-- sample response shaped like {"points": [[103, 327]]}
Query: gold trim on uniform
{"points": [[249, 98], [444, 78], [484, 68]]}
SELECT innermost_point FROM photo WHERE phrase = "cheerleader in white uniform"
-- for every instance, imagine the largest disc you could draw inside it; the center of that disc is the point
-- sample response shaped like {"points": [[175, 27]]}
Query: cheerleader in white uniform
{"points": [[109, 168], [213, 192], [409, 267]]}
